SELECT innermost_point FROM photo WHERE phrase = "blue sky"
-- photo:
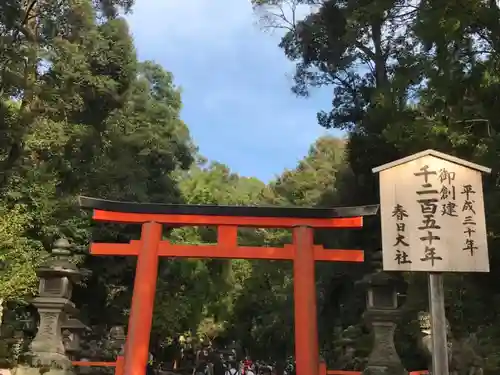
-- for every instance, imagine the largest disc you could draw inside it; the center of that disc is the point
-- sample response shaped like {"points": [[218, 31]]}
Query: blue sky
{"points": [[235, 82]]}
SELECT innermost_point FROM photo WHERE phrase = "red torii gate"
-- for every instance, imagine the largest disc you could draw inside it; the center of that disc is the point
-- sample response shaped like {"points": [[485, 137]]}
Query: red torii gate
{"points": [[302, 252]]}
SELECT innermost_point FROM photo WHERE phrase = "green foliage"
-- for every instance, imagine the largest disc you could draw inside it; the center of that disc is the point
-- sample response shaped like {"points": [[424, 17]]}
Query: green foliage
{"points": [[408, 76], [204, 291], [17, 255], [313, 182], [79, 114]]}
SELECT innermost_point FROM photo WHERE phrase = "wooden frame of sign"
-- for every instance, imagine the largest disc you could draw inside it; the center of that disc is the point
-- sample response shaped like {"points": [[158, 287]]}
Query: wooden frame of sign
{"points": [[432, 214]]}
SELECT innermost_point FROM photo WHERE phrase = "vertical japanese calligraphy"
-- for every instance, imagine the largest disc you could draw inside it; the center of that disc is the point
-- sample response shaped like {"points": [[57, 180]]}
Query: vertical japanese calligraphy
{"points": [[469, 221], [427, 198], [447, 193], [400, 213], [432, 214]]}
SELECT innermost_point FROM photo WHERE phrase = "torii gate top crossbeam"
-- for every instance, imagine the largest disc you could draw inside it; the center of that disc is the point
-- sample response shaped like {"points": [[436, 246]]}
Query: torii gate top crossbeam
{"points": [[245, 216]]}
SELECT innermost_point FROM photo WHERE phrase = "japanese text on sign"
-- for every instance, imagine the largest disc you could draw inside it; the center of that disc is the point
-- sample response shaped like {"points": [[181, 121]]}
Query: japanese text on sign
{"points": [[468, 222], [433, 217], [427, 198], [400, 244]]}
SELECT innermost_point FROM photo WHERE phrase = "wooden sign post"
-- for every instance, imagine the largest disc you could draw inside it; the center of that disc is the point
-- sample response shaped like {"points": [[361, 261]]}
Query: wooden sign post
{"points": [[432, 215]]}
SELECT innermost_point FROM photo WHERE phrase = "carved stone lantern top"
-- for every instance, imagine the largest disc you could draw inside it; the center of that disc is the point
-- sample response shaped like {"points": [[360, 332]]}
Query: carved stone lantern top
{"points": [[58, 274], [74, 325], [382, 290], [380, 278], [72, 329], [117, 338], [117, 333], [59, 264], [382, 287]]}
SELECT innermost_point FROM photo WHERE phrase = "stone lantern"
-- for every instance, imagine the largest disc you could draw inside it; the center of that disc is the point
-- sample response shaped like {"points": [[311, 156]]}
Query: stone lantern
{"points": [[382, 314], [117, 339], [72, 330], [57, 276]]}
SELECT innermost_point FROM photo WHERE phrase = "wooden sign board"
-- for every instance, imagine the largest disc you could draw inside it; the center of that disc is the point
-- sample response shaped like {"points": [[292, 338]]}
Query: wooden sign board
{"points": [[432, 213]]}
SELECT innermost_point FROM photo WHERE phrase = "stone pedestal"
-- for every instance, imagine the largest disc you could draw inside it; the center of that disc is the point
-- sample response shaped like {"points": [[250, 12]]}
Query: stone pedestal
{"points": [[48, 344], [382, 314], [383, 359], [46, 353]]}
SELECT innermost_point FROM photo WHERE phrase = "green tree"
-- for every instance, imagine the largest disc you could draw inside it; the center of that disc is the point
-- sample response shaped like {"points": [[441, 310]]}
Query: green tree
{"points": [[406, 76], [263, 313], [144, 144], [203, 291], [49, 82], [81, 117]]}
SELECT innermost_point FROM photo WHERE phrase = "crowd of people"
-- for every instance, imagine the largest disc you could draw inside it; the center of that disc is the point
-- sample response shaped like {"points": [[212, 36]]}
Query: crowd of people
{"points": [[210, 361], [207, 360]]}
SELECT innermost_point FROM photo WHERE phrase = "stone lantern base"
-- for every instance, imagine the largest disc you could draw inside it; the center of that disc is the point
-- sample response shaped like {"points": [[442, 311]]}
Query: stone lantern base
{"points": [[45, 364], [46, 354], [26, 370], [384, 370], [384, 359], [50, 364]]}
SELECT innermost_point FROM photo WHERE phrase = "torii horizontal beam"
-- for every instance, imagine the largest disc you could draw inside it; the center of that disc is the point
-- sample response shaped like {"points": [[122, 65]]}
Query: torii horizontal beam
{"points": [[228, 248], [222, 210], [254, 216], [166, 249]]}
